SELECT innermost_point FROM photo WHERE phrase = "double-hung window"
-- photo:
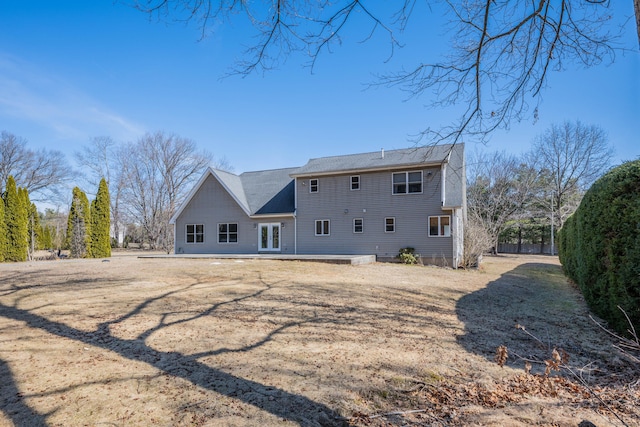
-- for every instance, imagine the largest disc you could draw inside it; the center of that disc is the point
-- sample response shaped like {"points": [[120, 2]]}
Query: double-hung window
{"points": [[358, 225], [407, 182], [390, 225], [228, 233], [313, 186], [322, 227], [195, 233], [439, 226], [355, 182]]}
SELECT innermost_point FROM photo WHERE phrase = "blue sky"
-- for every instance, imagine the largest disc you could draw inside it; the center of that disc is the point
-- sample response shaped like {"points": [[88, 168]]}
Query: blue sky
{"points": [[72, 70]]}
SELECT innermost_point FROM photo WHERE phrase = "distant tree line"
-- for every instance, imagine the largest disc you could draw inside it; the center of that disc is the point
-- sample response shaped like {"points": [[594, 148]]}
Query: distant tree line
{"points": [[519, 199], [146, 180]]}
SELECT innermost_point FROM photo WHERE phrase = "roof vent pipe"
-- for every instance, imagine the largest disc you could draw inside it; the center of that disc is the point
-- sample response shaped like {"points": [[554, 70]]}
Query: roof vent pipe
{"points": [[382, 153]]}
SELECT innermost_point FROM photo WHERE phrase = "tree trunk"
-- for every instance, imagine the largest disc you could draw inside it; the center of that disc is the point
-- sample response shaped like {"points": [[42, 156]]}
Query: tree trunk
{"points": [[520, 239]]}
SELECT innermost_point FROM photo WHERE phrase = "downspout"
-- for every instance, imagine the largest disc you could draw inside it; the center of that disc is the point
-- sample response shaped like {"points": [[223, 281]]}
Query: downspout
{"points": [[295, 232], [295, 216], [175, 241]]}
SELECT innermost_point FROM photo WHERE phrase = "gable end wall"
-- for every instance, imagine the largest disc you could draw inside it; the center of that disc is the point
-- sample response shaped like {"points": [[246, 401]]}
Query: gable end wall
{"points": [[212, 205]]}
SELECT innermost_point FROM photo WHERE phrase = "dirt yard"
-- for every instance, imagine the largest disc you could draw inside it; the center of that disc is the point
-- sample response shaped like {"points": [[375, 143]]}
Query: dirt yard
{"points": [[139, 342]]}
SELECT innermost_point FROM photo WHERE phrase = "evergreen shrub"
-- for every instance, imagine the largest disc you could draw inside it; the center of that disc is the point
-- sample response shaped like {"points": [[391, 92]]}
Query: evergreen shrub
{"points": [[599, 246]]}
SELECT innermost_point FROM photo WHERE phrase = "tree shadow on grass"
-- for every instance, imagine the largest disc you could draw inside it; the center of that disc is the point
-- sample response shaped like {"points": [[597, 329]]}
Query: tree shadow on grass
{"points": [[532, 300], [279, 402], [13, 404]]}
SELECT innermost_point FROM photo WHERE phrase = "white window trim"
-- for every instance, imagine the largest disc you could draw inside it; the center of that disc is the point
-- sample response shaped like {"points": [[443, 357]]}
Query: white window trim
{"points": [[394, 224], [439, 226], [195, 240], [317, 185], [351, 182], [228, 232], [406, 182], [361, 225], [315, 227]]}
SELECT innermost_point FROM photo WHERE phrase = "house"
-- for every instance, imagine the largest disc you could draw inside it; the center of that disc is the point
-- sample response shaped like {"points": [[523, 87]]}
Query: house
{"points": [[369, 203]]}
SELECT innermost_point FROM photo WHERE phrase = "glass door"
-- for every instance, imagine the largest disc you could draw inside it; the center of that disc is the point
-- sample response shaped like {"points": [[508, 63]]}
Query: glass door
{"points": [[269, 237]]}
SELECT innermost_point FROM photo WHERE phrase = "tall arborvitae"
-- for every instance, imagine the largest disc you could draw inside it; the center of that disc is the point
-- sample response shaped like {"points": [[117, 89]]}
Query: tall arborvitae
{"points": [[15, 218], [101, 223], [79, 226], [37, 228], [45, 237], [3, 231], [33, 221]]}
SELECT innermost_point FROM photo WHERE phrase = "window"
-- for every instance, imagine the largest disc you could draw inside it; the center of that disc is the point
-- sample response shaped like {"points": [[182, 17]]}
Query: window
{"points": [[228, 233], [439, 226], [322, 227], [407, 182], [355, 182], [390, 225], [313, 186], [195, 233], [358, 225]]}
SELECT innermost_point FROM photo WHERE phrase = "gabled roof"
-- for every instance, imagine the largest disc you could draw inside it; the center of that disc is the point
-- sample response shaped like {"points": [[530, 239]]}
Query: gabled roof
{"points": [[377, 160], [271, 192], [257, 193], [233, 184]]}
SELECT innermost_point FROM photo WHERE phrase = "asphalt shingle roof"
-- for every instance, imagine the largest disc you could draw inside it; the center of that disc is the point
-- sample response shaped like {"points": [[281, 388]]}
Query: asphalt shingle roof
{"points": [[272, 191], [376, 160], [269, 191]]}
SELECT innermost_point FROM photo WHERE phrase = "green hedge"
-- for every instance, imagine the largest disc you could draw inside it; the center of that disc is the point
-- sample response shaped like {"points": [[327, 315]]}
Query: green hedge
{"points": [[599, 246]]}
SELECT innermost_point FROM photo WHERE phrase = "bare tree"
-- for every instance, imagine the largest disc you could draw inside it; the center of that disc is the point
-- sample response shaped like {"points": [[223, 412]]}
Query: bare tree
{"points": [[499, 187], [160, 169], [501, 51], [572, 156], [102, 159], [40, 172]]}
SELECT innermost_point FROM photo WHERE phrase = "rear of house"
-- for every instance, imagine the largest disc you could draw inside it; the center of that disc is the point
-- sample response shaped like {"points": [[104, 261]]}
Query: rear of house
{"points": [[230, 214], [369, 203]]}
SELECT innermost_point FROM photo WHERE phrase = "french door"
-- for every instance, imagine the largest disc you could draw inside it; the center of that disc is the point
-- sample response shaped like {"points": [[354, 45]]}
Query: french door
{"points": [[269, 237]]}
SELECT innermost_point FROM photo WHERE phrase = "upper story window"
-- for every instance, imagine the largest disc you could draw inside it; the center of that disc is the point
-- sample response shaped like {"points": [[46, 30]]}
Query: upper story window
{"points": [[195, 233], [407, 182], [228, 233], [355, 182], [439, 226], [313, 185]]}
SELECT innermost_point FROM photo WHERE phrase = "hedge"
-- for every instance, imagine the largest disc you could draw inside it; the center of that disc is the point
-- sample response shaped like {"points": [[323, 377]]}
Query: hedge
{"points": [[599, 246]]}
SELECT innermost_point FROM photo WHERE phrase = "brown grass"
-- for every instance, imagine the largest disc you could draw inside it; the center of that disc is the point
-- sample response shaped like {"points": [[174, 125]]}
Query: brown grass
{"points": [[220, 342]]}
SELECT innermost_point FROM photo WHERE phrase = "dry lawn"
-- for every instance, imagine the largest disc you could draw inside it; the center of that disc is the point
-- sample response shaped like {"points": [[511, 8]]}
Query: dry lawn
{"points": [[138, 342]]}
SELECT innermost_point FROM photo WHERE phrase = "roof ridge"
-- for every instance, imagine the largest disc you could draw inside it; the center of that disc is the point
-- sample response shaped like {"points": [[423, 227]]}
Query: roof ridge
{"points": [[270, 170], [386, 151]]}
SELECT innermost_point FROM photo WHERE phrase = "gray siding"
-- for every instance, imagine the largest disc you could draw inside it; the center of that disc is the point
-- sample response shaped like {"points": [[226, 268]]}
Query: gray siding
{"points": [[212, 205], [374, 202]]}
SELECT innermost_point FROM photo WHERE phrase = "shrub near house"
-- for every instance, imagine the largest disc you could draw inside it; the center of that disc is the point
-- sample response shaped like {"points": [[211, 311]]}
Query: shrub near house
{"points": [[600, 246]]}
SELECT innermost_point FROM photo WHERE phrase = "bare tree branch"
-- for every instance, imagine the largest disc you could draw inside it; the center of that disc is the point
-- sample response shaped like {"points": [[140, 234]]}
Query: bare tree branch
{"points": [[502, 51], [573, 155], [159, 170], [40, 172]]}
